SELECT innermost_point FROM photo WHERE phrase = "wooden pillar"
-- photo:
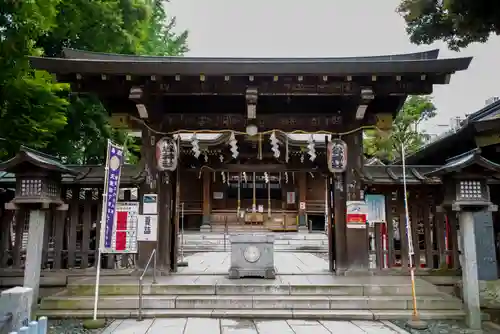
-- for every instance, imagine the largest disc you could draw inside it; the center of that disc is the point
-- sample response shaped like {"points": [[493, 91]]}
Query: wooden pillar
{"points": [[60, 226], [426, 212], [302, 200], [207, 200], [98, 226], [74, 212], [414, 201], [357, 238], [453, 239], [339, 224], [329, 223], [86, 226], [149, 186], [167, 237], [389, 228], [6, 223], [403, 235]]}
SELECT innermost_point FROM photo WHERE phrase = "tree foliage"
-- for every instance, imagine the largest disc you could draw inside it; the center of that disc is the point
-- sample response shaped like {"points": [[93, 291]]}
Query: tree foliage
{"points": [[41, 113], [457, 22], [32, 105], [405, 130]]}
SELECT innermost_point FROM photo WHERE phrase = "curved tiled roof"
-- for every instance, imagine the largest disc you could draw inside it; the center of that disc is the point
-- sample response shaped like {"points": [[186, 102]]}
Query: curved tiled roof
{"points": [[450, 139], [82, 54], [103, 63]]}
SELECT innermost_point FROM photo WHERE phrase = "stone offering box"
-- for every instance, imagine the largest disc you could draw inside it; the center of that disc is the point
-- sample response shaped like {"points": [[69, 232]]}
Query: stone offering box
{"points": [[252, 255]]}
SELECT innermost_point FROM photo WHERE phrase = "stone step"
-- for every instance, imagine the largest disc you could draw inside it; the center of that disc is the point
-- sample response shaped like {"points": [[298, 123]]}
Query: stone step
{"points": [[277, 236], [277, 248], [341, 289], [252, 302], [282, 242], [305, 314]]}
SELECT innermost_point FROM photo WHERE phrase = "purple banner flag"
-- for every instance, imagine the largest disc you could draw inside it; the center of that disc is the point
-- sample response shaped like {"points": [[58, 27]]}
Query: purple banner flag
{"points": [[112, 184]]}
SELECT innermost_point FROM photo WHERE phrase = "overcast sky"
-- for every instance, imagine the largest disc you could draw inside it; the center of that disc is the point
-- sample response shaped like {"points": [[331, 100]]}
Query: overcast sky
{"points": [[331, 28]]}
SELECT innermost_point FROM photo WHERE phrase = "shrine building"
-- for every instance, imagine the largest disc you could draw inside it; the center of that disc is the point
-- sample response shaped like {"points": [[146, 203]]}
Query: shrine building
{"points": [[262, 144]]}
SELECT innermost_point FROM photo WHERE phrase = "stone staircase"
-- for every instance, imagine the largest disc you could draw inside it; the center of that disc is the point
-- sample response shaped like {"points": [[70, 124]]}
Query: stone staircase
{"points": [[284, 242], [327, 297]]}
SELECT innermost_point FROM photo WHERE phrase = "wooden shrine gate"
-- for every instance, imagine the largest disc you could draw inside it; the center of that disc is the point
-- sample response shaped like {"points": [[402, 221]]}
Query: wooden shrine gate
{"points": [[251, 100]]}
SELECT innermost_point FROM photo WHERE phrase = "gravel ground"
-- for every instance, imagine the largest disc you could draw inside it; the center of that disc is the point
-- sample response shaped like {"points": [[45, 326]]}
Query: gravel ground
{"points": [[444, 327], [71, 326]]}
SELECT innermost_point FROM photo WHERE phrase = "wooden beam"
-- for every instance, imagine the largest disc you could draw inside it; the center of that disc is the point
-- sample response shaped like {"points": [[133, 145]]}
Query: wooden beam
{"points": [[236, 85]]}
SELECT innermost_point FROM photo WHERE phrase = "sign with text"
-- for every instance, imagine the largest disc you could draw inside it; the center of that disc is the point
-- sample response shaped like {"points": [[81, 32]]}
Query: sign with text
{"points": [[124, 236], [356, 214], [147, 228], [290, 197], [302, 205], [376, 208], [150, 204], [114, 161]]}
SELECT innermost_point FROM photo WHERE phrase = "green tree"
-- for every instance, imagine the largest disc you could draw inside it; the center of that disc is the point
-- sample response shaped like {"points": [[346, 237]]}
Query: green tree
{"points": [[161, 39], [123, 26], [457, 22], [32, 104], [405, 130], [38, 112], [115, 26]]}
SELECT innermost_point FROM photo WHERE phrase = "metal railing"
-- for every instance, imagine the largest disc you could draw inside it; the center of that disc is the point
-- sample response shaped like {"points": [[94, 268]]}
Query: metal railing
{"points": [[141, 280]]}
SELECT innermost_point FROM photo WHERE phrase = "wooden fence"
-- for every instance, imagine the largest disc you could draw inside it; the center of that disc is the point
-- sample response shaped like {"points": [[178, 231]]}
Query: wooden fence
{"points": [[71, 236]]}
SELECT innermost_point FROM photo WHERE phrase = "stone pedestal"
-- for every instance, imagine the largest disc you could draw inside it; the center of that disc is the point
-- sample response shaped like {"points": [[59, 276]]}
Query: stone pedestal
{"points": [[469, 270], [252, 255], [34, 252], [17, 301]]}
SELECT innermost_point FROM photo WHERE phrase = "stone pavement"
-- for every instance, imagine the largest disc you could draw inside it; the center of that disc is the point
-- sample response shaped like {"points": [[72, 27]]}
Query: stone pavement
{"points": [[228, 326], [217, 263]]}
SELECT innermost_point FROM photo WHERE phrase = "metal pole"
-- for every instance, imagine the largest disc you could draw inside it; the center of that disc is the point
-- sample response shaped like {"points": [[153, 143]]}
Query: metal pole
{"points": [[97, 279], [154, 267], [139, 312], [415, 321]]}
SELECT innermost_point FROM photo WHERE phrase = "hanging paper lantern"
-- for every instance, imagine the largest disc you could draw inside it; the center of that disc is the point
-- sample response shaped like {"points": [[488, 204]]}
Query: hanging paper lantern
{"points": [[337, 156], [166, 154]]}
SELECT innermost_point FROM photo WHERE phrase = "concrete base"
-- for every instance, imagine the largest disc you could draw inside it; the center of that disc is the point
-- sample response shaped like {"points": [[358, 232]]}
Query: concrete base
{"points": [[417, 324], [94, 324], [236, 273]]}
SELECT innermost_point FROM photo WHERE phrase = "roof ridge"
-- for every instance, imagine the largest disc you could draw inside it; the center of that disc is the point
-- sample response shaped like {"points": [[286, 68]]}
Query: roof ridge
{"points": [[42, 154]]}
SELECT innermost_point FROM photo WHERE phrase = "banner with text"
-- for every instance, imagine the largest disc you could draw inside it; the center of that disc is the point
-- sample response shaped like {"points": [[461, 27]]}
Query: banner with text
{"points": [[114, 161]]}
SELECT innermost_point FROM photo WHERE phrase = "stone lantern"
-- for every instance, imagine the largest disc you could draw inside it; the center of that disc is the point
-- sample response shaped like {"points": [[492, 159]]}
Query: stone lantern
{"points": [[38, 189], [466, 192]]}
